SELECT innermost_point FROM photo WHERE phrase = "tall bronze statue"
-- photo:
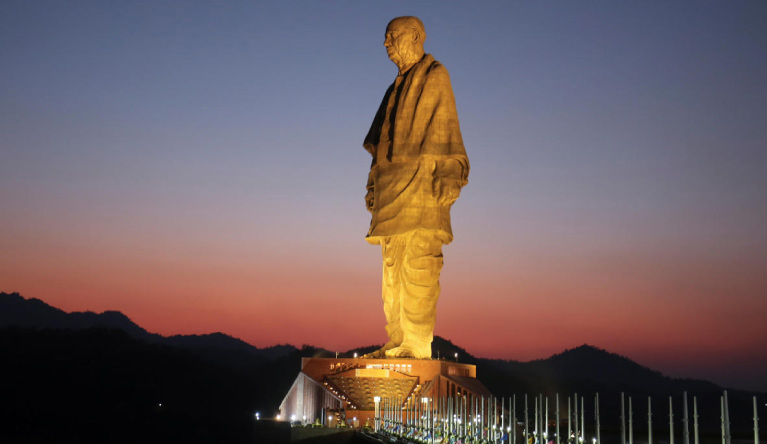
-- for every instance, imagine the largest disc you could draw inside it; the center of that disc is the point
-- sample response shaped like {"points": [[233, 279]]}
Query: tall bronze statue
{"points": [[419, 167]]}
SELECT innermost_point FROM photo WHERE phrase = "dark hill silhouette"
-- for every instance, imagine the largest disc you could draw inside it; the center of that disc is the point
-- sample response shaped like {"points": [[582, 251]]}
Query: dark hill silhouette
{"points": [[104, 366], [585, 366], [15, 310], [582, 364]]}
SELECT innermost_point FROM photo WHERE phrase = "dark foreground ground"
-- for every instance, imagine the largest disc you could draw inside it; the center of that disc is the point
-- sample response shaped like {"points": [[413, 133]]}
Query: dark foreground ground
{"points": [[268, 432]]}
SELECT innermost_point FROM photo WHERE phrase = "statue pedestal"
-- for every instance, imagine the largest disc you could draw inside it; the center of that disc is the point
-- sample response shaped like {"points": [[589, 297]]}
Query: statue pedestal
{"points": [[345, 389]]}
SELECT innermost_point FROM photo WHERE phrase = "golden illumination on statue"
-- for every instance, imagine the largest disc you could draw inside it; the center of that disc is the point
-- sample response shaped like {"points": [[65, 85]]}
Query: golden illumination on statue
{"points": [[419, 167]]}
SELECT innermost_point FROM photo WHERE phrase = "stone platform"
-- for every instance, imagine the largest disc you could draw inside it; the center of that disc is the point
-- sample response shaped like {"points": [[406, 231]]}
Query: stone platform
{"points": [[344, 389]]}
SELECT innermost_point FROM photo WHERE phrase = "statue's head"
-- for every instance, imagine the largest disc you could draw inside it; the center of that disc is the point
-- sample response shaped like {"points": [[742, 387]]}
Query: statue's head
{"points": [[404, 41]]}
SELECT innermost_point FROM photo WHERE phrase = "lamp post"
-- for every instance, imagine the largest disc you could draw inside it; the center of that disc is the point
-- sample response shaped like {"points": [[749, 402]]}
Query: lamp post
{"points": [[557, 407], [575, 417], [583, 418], [671, 420], [596, 413], [623, 420], [695, 418], [649, 420], [569, 421], [513, 419], [527, 427], [756, 424], [685, 420], [631, 423], [727, 437]]}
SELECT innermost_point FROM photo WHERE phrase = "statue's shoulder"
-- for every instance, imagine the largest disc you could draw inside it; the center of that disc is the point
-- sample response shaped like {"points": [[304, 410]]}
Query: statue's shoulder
{"points": [[432, 64], [434, 69]]}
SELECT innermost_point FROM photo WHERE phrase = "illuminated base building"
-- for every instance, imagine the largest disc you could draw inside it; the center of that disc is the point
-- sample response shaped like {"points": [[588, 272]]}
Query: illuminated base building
{"points": [[328, 390]]}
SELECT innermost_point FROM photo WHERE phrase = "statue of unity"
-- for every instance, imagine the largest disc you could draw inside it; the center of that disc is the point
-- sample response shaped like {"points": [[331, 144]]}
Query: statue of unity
{"points": [[419, 167]]}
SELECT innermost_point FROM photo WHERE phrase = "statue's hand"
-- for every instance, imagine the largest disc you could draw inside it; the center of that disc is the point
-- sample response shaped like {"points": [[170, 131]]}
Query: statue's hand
{"points": [[369, 199], [446, 190]]}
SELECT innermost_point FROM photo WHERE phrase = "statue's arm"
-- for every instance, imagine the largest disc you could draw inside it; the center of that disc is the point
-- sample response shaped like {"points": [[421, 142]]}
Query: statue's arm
{"points": [[450, 175], [371, 140], [452, 171]]}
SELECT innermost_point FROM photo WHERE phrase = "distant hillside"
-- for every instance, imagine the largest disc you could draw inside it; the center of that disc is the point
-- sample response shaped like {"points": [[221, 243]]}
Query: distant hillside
{"points": [[15, 310], [584, 367], [18, 311], [110, 350], [591, 367]]}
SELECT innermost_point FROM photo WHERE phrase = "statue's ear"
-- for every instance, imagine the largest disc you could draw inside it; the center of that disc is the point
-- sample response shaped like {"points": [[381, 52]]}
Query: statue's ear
{"points": [[416, 36]]}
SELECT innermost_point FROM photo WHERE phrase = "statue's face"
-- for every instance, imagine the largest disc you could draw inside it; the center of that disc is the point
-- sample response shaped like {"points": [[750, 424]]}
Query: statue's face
{"points": [[400, 42]]}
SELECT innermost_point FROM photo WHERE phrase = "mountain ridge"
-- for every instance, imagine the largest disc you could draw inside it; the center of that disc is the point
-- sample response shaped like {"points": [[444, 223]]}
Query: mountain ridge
{"points": [[578, 366], [15, 310]]}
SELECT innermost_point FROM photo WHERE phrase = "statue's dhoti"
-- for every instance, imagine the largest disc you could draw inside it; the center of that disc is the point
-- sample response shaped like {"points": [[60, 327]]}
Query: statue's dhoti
{"points": [[411, 266]]}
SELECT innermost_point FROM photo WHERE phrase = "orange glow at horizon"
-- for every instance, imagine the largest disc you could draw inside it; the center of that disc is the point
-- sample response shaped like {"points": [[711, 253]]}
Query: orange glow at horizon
{"points": [[527, 314]]}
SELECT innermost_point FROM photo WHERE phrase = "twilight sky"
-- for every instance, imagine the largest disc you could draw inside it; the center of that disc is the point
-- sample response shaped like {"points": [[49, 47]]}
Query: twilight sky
{"points": [[198, 166]]}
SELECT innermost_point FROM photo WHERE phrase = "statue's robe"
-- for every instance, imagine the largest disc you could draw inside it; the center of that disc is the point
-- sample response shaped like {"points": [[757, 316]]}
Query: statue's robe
{"points": [[415, 139]]}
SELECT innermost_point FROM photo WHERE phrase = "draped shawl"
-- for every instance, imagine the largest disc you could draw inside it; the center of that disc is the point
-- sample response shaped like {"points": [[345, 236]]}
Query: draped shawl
{"points": [[411, 150], [426, 121]]}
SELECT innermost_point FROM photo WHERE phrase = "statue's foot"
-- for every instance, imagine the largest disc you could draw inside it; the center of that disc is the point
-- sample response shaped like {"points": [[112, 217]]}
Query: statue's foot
{"points": [[400, 352], [410, 350], [381, 352]]}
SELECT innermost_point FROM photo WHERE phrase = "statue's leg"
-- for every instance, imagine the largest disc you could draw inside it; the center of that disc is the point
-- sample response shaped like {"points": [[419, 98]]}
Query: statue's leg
{"points": [[392, 249], [421, 266]]}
